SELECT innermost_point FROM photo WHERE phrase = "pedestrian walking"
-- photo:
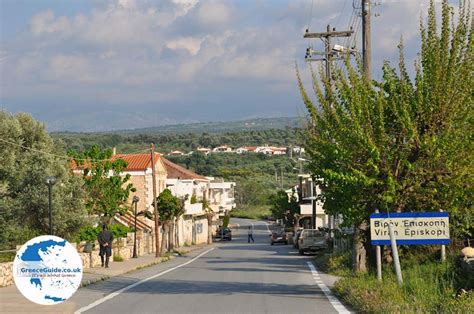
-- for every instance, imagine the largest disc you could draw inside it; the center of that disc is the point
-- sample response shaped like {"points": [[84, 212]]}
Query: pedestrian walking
{"points": [[105, 239], [250, 234]]}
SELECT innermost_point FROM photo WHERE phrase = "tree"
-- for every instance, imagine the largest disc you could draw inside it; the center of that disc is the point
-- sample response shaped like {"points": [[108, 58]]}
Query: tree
{"points": [[209, 216], [169, 207], [284, 207], [398, 144], [107, 191], [27, 155]]}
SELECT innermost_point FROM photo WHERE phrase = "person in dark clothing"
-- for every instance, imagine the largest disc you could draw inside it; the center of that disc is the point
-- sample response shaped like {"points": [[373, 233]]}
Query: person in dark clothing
{"points": [[250, 234], [105, 239]]}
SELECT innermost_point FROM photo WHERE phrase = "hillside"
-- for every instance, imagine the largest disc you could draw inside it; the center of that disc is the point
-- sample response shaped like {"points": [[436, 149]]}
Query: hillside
{"points": [[186, 138]]}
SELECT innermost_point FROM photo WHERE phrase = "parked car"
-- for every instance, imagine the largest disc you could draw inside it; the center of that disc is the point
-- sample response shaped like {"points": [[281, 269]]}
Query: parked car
{"points": [[278, 237], [224, 233], [311, 240], [296, 237]]}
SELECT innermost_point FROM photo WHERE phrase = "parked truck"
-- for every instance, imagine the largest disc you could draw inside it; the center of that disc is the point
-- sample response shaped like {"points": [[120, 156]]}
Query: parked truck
{"points": [[311, 240]]}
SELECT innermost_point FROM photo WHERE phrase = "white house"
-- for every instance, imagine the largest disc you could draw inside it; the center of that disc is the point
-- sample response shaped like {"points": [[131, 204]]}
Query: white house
{"points": [[298, 150], [306, 204], [221, 195], [246, 149], [264, 150], [278, 150], [222, 149], [193, 225], [241, 150], [203, 150], [176, 153]]}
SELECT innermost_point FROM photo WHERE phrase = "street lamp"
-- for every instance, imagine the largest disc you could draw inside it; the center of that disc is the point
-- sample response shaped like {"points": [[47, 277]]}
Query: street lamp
{"points": [[135, 200], [50, 182]]}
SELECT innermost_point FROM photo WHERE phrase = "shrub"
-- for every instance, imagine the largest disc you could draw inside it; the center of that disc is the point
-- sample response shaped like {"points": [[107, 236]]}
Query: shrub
{"points": [[118, 258], [90, 234], [225, 223], [429, 287]]}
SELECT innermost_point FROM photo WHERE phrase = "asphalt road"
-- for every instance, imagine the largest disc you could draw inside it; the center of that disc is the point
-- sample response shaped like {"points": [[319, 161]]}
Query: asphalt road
{"points": [[230, 277]]}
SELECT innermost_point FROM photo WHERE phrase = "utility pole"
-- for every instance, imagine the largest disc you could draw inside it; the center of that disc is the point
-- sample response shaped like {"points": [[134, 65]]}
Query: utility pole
{"points": [[328, 54], [157, 216], [366, 40], [281, 179], [328, 57]]}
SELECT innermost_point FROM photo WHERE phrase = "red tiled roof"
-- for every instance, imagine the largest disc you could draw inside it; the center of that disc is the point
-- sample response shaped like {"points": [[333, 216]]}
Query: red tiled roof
{"points": [[177, 172], [135, 162]]}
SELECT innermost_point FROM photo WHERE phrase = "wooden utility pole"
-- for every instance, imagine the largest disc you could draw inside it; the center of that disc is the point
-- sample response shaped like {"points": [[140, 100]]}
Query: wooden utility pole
{"points": [[328, 54], [157, 216], [366, 40]]}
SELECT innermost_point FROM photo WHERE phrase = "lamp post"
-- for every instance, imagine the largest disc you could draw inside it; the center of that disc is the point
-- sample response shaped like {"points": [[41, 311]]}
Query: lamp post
{"points": [[135, 200], [50, 182]]}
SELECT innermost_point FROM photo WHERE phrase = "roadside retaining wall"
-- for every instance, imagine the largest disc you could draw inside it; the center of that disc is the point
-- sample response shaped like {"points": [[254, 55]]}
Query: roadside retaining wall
{"points": [[6, 274]]}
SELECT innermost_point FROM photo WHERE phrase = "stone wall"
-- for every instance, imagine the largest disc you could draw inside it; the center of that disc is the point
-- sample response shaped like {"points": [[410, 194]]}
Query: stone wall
{"points": [[6, 274], [122, 247]]}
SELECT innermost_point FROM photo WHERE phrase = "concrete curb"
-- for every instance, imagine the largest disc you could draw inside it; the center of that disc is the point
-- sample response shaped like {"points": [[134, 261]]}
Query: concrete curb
{"points": [[101, 277]]}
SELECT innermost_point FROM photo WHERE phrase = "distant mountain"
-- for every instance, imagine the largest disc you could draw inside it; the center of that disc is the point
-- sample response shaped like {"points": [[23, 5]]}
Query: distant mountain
{"points": [[219, 127]]}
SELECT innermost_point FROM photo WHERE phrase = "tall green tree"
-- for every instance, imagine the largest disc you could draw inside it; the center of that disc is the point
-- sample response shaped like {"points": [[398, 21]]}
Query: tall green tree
{"points": [[27, 156], [284, 206], [107, 191], [209, 215], [401, 144], [169, 208]]}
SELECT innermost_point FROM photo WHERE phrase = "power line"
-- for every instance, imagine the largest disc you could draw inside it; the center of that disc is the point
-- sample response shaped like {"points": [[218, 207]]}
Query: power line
{"points": [[310, 14], [340, 14], [65, 157]]}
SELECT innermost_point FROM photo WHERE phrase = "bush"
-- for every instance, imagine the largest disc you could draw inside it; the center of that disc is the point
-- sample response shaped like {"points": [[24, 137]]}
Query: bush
{"points": [[336, 264], [118, 258], [429, 287], [226, 220], [119, 231], [90, 234]]}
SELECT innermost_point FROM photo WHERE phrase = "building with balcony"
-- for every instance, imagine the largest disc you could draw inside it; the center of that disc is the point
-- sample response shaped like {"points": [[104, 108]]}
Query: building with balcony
{"points": [[221, 195], [308, 191]]}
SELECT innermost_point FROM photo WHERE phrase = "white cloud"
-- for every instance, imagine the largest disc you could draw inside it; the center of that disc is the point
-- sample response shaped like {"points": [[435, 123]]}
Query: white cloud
{"points": [[214, 13], [184, 6], [192, 45], [132, 52], [72, 68], [46, 22]]}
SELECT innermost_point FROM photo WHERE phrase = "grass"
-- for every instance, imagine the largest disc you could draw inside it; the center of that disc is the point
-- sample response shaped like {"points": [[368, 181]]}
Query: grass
{"points": [[429, 287], [251, 212]]}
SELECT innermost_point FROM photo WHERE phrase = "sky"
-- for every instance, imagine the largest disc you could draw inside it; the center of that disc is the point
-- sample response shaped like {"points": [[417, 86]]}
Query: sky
{"points": [[101, 65]]}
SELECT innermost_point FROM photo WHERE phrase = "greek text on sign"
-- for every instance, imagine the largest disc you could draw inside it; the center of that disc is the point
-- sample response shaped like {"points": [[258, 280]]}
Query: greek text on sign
{"points": [[410, 228]]}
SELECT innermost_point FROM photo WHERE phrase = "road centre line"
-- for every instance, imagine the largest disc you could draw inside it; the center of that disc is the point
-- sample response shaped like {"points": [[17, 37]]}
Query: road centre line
{"points": [[116, 293], [338, 306]]}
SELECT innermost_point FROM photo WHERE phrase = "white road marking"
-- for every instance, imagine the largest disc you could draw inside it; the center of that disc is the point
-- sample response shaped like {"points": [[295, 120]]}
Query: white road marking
{"points": [[116, 293], [340, 308]]}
